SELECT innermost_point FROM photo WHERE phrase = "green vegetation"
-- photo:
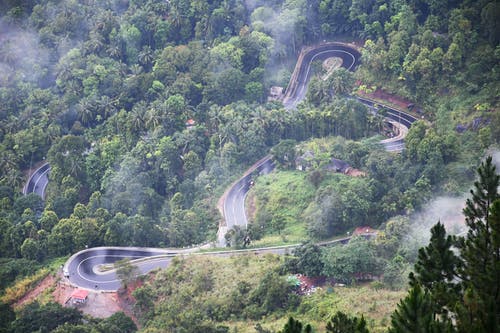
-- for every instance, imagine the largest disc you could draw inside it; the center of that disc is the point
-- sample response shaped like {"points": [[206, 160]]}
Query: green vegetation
{"points": [[240, 291], [126, 272], [16, 291], [280, 200], [52, 317], [146, 109]]}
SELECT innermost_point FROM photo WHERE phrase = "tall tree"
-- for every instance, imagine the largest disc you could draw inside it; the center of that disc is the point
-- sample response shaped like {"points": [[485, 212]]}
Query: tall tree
{"points": [[341, 323], [467, 285], [480, 252], [295, 326], [415, 314], [126, 271], [436, 268]]}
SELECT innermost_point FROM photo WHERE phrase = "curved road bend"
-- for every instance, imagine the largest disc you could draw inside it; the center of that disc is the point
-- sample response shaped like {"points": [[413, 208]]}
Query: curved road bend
{"points": [[234, 199], [234, 203], [82, 267], [398, 118], [296, 90], [37, 182]]}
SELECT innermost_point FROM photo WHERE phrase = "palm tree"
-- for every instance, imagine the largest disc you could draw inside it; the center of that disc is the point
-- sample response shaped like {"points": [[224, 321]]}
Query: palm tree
{"points": [[137, 116], [175, 17], [146, 56], [107, 106], [114, 51], [63, 71], [13, 178], [152, 118], [341, 81], [53, 131], [136, 69], [85, 111], [94, 44], [8, 160], [7, 54]]}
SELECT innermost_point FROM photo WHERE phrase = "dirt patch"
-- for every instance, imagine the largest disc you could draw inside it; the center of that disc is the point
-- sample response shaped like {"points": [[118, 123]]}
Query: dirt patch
{"points": [[99, 304], [393, 99], [126, 301], [30, 296]]}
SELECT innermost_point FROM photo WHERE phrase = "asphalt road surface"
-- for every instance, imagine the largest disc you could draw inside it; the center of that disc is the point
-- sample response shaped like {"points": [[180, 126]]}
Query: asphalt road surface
{"points": [[83, 268], [37, 183], [297, 89], [234, 204]]}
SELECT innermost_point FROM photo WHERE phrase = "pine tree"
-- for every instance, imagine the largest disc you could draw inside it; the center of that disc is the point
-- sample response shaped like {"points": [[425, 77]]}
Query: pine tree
{"points": [[341, 323], [436, 269], [480, 252], [415, 314], [295, 326], [463, 289]]}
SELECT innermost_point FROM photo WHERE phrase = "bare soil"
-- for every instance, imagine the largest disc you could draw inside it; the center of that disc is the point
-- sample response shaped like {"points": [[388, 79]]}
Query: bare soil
{"points": [[99, 304], [33, 294], [395, 100]]}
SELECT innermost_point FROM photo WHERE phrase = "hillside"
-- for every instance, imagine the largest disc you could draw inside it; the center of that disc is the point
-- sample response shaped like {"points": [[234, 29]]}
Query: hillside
{"points": [[147, 110]]}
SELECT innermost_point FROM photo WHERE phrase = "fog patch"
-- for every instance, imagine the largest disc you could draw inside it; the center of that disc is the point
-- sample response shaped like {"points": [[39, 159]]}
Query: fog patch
{"points": [[495, 154], [447, 210], [20, 54]]}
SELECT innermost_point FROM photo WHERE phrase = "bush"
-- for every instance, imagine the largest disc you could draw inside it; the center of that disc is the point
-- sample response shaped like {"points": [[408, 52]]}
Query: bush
{"points": [[20, 288]]}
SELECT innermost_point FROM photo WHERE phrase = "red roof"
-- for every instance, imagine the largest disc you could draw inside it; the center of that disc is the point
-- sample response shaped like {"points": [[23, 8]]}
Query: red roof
{"points": [[364, 230], [80, 294], [190, 122]]}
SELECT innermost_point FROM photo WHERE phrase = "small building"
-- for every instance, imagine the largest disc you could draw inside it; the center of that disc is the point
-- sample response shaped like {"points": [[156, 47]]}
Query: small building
{"points": [[79, 296], [190, 123], [337, 165], [366, 232], [307, 160], [304, 162]]}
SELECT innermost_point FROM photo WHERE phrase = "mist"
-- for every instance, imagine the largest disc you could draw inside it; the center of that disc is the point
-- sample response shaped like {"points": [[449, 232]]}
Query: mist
{"points": [[447, 210], [21, 54], [285, 24], [495, 154]]}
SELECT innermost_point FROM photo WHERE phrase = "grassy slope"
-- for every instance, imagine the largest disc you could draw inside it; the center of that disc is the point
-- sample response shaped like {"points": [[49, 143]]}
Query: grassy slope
{"points": [[316, 309], [287, 193], [375, 306]]}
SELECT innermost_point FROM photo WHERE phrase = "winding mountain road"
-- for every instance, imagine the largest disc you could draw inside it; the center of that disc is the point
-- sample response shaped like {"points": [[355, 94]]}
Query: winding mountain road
{"points": [[83, 268], [233, 205], [38, 180], [297, 88]]}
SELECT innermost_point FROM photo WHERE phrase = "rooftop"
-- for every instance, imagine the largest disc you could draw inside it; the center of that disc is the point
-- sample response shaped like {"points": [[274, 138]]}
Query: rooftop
{"points": [[80, 294]]}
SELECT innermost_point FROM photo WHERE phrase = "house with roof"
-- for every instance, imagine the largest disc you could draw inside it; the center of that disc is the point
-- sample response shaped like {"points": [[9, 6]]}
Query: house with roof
{"points": [[337, 165], [190, 123], [366, 231], [78, 297], [307, 160]]}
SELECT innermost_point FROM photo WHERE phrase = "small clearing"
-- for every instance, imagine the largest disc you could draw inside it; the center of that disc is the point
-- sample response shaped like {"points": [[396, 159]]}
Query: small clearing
{"points": [[99, 304]]}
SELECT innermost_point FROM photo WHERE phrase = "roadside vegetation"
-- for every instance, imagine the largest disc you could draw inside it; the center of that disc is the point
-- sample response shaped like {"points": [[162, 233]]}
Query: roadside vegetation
{"points": [[147, 109], [221, 294]]}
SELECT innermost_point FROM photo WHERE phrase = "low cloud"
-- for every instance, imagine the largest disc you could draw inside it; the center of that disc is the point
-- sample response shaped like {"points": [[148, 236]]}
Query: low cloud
{"points": [[20, 54]]}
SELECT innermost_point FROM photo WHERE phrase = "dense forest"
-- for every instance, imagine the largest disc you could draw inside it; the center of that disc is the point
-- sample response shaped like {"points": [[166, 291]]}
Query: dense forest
{"points": [[147, 110]]}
